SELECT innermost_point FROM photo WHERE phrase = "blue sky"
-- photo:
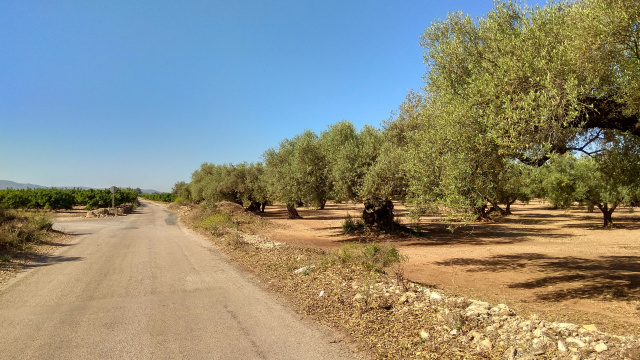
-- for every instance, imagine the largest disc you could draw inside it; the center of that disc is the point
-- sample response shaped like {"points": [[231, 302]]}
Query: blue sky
{"points": [[140, 93]]}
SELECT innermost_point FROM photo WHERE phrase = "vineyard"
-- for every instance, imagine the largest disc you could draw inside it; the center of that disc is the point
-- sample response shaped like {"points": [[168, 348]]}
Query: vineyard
{"points": [[54, 199]]}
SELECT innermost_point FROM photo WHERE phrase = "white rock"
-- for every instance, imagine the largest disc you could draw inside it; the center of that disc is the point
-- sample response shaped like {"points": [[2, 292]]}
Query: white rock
{"points": [[321, 293], [303, 269], [601, 347], [561, 346]]}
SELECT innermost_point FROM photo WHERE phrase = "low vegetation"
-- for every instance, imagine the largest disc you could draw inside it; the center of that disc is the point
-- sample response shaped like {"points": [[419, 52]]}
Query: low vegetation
{"points": [[19, 231], [54, 199], [163, 197]]}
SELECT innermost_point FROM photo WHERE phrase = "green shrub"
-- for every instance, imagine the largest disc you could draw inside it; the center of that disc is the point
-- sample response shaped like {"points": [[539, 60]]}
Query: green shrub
{"points": [[372, 256], [350, 226], [218, 223], [41, 222]]}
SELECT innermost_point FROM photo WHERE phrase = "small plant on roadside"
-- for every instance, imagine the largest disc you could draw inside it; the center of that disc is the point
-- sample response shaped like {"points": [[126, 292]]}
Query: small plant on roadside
{"points": [[372, 256], [41, 222], [378, 257], [218, 223], [401, 280], [349, 225], [234, 240]]}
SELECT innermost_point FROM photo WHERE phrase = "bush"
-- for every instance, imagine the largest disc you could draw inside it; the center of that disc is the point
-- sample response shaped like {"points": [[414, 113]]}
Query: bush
{"points": [[349, 225], [41, 222], [218, 223], [234, 240], [372, 256], [17, 233]]}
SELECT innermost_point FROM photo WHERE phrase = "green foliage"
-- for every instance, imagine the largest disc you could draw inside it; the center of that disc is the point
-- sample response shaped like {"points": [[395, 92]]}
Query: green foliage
{"points": [[18, 232], [607, 180], [242, 184], [52, 198], [350, 225], [349, 156], [164, 197], [297, 172], [371, 256], [218, 223], [182, 190], [504, 94]]}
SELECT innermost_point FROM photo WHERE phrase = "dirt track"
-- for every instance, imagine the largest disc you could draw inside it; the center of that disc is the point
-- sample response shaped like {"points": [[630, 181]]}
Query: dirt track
{"points": [[139, 287], [562, 265]]}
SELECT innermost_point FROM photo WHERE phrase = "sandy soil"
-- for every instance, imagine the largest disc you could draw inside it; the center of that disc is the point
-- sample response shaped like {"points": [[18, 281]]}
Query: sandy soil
{"points": [[560, 264]]}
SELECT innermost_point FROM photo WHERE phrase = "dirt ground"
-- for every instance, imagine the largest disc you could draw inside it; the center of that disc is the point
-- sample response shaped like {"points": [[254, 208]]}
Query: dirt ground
{"points": [[559, 264]]}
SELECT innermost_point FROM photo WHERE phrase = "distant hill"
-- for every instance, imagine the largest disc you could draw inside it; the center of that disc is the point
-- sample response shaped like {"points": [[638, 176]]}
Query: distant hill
{"points": [[149, 191], [4, 184]]}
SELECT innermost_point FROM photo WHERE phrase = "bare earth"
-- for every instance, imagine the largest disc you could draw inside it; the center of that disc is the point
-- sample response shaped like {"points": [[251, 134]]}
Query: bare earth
{"points": [[561, 265], [142, 287]]}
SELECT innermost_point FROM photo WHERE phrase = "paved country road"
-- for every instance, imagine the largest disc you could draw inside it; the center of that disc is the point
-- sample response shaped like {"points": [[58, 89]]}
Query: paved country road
{"points": [[140, 287]]}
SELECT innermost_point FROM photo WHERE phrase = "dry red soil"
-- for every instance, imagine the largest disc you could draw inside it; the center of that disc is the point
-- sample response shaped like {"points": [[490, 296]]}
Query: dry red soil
{"points": [[559, 264]]}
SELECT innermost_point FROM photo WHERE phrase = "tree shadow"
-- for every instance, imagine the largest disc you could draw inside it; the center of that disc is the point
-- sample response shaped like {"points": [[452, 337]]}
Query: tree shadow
{"points": [[565, 278], [27, 260], [595, 222]]}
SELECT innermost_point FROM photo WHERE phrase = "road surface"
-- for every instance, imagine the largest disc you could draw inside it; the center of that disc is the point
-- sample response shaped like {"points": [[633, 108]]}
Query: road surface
{"points": [[140, 287]]}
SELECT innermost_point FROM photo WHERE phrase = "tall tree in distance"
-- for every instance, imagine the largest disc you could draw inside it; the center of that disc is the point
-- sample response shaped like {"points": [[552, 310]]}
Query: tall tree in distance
{"points": [[296, 173]]}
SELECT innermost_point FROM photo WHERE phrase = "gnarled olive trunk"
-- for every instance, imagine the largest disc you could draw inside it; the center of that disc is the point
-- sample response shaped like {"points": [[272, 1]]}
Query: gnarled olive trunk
{"points": [[606, 212], [293, 213], [378, 212], [254, 206]]}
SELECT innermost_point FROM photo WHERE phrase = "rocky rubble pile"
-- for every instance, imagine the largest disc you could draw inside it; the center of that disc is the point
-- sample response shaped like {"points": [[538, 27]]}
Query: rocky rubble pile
{"points": [[103, 212], [489, 328], [259, 241]]}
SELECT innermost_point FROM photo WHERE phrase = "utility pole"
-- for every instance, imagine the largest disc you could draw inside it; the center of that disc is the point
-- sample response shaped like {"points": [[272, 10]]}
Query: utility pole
{"points": [[113, 199]]}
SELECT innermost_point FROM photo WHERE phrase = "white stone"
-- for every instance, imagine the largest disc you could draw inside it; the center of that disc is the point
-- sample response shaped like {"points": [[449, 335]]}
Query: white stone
{"points": [[561, 346], [601, 347], [303, 269]]}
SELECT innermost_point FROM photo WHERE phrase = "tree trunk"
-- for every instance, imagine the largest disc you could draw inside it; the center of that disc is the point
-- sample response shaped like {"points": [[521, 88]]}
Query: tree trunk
{"points": [[262, 206], [293, 213], [322, 204], [254, 206], [507, 211], [606, 212]]}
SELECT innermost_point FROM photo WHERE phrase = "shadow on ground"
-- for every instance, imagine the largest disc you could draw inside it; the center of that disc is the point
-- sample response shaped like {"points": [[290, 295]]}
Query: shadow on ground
{"points": [[565, 278]]}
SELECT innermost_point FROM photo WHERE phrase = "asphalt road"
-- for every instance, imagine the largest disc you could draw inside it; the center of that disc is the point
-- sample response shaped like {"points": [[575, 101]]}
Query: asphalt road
{"points": [[140, 287]]}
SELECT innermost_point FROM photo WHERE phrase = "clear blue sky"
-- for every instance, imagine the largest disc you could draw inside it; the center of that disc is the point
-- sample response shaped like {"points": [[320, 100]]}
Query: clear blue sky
{"points": [[140, 93]]}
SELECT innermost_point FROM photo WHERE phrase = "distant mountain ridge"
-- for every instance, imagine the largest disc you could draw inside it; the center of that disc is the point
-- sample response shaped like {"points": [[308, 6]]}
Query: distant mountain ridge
{"points": [[6, 184]]}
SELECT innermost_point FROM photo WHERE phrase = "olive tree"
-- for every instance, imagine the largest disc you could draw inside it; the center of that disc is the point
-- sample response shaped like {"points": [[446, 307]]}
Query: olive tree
{"points": [[515, 86], [296, 173], [606, 180], [349, 155]]}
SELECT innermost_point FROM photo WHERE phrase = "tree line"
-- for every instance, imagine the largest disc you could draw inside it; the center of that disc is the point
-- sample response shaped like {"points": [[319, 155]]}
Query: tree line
{"points": [[522, 102], [54, 198]]}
